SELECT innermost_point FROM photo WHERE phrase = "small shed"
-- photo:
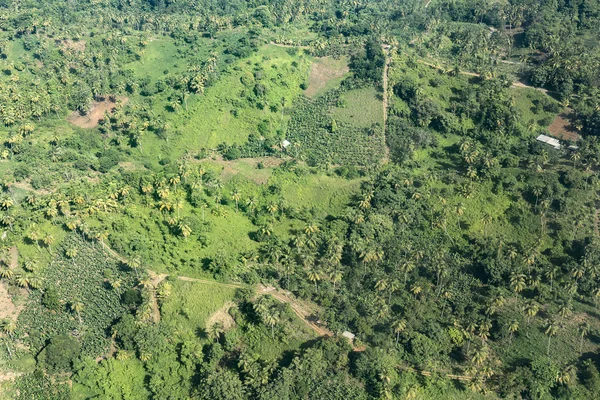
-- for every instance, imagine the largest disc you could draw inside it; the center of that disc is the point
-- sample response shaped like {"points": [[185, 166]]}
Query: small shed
{"points": [[285, 144], [550, 141], [348, 335]]}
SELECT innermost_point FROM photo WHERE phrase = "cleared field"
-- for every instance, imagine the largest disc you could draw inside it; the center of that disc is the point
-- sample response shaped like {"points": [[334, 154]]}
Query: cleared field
{"points": [[562, 128], [361, 107], [256, 90], [326, 73], [92, 118], [159, 56], [323, 192], [192, 303]]}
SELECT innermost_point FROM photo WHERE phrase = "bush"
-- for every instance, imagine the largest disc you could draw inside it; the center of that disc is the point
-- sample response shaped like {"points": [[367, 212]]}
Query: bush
{"points": [[22, 172], [61, 352], [50, 299], [107, 160]]}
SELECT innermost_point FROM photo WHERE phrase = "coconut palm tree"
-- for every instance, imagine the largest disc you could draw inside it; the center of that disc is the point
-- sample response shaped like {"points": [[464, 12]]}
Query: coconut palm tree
{"points": [[398, 326], [550, 329], [513, 327], [584, 330], [271, 318], [215, 331], [77, 307], [236, 196], [314, 276]]}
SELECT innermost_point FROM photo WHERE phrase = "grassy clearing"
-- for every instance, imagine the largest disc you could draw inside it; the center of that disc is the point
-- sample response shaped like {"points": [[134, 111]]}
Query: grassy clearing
{"points": [[292, 333], [229, 110], [361, 107], [528, 101], [327, 194], [326, 73], [160, 55], [191, 304]]}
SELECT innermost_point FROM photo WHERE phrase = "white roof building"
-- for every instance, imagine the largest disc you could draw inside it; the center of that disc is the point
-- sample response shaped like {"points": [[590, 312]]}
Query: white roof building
{"points": [[548, 140], [348, 335], [285, 144]]}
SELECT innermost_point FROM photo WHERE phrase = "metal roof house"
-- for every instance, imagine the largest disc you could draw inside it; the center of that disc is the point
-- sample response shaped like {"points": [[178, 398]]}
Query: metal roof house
{"points": [[550, 141], [348, 335]]}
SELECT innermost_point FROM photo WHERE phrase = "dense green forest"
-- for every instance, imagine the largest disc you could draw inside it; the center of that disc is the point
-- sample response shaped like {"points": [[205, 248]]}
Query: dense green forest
{"points": [[310, 199]]}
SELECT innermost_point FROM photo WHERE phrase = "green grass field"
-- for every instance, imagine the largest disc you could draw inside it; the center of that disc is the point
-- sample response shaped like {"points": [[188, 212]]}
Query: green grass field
{"points": [[325, 193], [191, 304], [224, 115], [159, 56], [362, 108]]}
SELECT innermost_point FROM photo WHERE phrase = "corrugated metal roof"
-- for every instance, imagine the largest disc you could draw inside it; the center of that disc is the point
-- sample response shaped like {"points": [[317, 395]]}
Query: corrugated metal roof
{"points": [[548, 140]]}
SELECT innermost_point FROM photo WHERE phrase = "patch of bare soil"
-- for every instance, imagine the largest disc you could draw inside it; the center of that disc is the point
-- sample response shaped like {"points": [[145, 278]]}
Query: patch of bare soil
{"points": [[222, 317], [7, 307], [13, 257], [562, 128], [96, 113], [8, 376], [322, 71], [130, 166], [260, 176], [77, 45], [26, 185]]}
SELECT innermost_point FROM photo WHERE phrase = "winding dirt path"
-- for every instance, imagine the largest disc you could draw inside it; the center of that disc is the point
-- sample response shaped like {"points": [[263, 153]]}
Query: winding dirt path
{"points": [[301, 309], [515, 84], [386, 68]]}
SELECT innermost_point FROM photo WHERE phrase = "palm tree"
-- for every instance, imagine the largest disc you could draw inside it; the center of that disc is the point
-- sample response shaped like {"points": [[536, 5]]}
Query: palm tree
{"points": [[551, 328], [512, 328], [531, 310], [48, 241], [236, 195], [314, 276], [185, 230], [77, 308], [271, 318], [416, 290], [134, 263], [398, 327], [215, 331], [564, 376], [9, 327], [517, 283], [584, 330], [460, 210], [71, 253]]}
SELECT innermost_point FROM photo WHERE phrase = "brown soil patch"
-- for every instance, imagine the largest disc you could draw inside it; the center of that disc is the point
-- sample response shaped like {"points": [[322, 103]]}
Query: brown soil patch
{"points": [[26, 185], [562, 128], [78, 45], [322, 71], [13, 257], [96, 113], [130, 166], [222, 317], [247, 167], [7, 307], [156, 280], [8, 376]]}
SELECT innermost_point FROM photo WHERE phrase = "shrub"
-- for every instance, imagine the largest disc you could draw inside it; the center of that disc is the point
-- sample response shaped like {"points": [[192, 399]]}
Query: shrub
{"points": [[61, 352], [50, 299]]}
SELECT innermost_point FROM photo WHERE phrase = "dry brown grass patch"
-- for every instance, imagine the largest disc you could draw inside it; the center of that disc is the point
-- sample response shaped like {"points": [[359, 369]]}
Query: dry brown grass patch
{"points": [[222, 317], [8, 309], [77, 45], [92, 118], [562, 128], [324, 70]]}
